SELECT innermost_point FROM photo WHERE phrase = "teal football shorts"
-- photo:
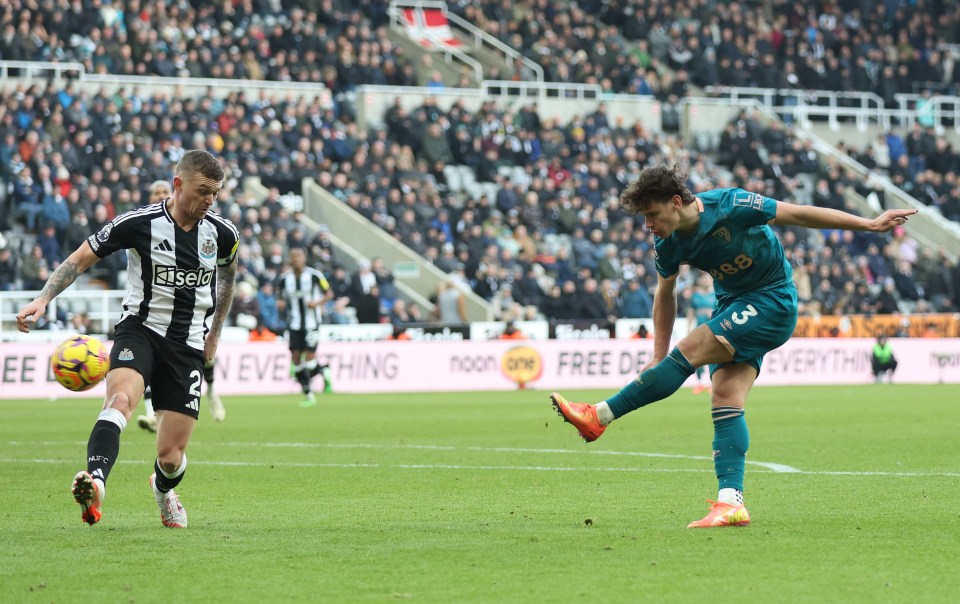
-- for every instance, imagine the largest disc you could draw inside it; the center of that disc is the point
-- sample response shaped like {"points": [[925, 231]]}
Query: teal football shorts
{"points": [[754, 323]]}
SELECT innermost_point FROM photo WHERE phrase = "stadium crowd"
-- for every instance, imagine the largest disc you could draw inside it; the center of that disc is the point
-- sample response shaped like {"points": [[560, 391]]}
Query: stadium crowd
{"points": [[550, 242], [882, 46]]}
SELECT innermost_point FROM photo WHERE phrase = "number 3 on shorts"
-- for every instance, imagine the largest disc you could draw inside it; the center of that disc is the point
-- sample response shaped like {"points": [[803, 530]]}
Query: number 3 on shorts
{"points": [[741, 317]]}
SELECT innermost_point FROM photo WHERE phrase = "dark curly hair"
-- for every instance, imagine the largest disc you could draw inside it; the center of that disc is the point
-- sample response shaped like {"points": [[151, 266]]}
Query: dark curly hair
{"points": [[656, 184]]}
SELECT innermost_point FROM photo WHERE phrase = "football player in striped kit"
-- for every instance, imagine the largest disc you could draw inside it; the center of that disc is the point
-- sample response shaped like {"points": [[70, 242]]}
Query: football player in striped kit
{"points": [[305, 290], [173, 313], [161, 191]]}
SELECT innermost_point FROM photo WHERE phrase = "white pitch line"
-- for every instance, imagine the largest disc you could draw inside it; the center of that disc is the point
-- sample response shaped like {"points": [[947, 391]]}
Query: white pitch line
{"points": [[774, 467], [282, 464]]}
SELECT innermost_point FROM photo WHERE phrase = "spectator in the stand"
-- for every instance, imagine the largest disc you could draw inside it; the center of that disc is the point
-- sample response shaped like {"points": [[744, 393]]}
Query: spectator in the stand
{"points": [[363, 280], [269, 317], [368, 305], [591, 304], [50, 245], [451, 302], [637, 302], [384, 278], [340, 282], [8, 269], [402, 314], [27, 198], [904, 280], [245, 311], [886, 301], [34, 269]]}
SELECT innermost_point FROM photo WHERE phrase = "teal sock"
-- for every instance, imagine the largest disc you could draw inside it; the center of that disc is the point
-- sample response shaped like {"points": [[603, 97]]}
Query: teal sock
{"points": [[700, 371], [658, 382], [731, 439]]}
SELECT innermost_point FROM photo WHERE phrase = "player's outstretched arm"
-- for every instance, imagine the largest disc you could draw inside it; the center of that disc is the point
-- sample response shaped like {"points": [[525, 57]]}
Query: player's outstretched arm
{"points": [[226, 280], [826, 218], [68, 271]]}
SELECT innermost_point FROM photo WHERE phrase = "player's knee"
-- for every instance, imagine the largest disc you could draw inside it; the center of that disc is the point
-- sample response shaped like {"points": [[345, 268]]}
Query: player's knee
{"points": [[169, 458], [722, 396], [122, 402]]}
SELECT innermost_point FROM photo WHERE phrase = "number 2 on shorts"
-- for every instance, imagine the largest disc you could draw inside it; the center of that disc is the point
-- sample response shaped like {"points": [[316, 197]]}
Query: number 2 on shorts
{"points": [[741, 317]]}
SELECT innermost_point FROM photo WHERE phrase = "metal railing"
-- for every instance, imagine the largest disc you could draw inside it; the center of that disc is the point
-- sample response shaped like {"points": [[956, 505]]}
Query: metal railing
{"points": [[60, 73], [101, 306], [863, 108], [479, 37]]}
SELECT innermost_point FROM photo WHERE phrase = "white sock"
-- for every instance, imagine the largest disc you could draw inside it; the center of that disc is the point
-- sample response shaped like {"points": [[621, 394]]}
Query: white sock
{"points": [[148, 405], [731, 496], [604, 414]]}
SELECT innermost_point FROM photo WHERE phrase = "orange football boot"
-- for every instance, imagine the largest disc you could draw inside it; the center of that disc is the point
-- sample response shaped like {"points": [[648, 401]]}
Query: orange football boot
{"points": [[87, 492], [583, 416], [723, 514]]}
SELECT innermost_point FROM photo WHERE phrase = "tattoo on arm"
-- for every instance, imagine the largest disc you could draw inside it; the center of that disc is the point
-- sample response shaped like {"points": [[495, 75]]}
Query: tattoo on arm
{"points": [[66, 273], [226, 278]]}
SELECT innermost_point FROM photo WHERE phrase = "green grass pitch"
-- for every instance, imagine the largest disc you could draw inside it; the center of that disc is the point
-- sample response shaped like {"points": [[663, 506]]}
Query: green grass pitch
{"points": [[489, 497]]}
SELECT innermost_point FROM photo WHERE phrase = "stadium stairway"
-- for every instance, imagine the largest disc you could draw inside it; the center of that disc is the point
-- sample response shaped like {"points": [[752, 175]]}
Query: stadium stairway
{"points": [[355, 238], [415, 53]]}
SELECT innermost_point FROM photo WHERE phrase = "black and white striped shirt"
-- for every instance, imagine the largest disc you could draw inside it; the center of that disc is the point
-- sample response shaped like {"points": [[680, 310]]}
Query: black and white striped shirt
{"points": [[171, 272], [310, 286]]}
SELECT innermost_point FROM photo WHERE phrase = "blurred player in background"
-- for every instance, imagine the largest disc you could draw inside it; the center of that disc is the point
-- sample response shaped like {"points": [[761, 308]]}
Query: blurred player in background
{"points": [[305, 290], [159, 191], [726, 233], [169, 327]]}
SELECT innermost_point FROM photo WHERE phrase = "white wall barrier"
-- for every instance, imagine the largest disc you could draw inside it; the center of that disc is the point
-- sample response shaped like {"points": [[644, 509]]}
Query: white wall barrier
{"points": [[410, 366]]}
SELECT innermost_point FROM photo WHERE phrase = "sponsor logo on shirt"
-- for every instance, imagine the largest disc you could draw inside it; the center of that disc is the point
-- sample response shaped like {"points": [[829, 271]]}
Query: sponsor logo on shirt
{"points": [[749, 200], [171, 276]]}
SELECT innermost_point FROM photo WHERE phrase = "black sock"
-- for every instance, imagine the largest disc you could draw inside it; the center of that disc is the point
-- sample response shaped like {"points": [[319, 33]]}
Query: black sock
{"points": [[208, 373], [303, 376], [316, 369], [104, 444], [163, 482]]}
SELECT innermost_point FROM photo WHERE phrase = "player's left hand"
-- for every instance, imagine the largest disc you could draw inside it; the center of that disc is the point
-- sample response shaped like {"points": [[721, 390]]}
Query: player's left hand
{"points": [[891, 219], [210, 347]]}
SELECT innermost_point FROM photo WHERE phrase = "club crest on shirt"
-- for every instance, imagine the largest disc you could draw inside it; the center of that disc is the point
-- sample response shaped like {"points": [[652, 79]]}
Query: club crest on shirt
{"points": [[208, 248], [722, 234]]}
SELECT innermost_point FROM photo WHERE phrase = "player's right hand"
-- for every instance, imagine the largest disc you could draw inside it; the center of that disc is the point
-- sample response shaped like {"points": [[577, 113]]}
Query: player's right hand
{"points": [[30, 314], [891, 219]]}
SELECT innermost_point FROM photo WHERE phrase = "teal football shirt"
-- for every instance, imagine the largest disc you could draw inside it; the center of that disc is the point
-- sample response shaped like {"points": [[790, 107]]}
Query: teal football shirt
{"points": [[733, 243]]}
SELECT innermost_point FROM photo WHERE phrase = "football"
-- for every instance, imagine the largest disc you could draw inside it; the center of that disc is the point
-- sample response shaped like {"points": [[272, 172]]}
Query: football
{"points": [[80, 362]]}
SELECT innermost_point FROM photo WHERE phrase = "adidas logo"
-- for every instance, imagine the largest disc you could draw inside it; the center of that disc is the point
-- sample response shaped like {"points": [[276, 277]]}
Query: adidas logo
{"points": [[164, 246]]}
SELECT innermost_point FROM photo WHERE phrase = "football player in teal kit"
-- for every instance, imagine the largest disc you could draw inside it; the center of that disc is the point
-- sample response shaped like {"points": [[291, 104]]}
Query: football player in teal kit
{"points": [[726, 233]]}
